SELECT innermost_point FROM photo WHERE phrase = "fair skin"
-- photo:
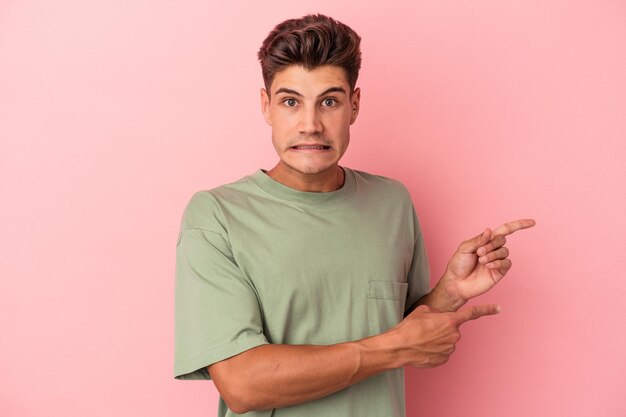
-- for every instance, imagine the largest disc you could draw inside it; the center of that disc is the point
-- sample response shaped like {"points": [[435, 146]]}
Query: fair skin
{"points": [[310, 112], [307, 110]]}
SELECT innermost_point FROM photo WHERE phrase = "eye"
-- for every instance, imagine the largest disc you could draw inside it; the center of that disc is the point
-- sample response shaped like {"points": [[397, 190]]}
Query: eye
{"points": [[329, 102], [290, 102]]}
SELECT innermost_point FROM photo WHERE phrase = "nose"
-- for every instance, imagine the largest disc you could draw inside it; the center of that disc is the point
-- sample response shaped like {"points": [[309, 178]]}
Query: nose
{"points": [[310, 121]]}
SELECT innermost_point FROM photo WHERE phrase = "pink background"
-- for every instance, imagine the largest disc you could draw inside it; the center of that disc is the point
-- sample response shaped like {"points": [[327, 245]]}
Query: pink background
{"points": [[113, 113]]}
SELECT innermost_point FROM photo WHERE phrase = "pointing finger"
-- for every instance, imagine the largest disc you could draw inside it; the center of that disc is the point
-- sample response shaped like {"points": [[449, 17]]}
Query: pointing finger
{"points": [[475, 312], [514, 226]]}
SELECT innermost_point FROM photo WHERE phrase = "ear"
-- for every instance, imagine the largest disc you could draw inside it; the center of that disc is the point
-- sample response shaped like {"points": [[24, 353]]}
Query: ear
{"points": [[355, 102], [265, 106]]}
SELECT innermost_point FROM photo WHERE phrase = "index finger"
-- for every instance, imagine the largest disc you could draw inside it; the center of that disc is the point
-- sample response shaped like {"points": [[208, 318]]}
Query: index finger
{"points": [[475, 312], [514, 226]]}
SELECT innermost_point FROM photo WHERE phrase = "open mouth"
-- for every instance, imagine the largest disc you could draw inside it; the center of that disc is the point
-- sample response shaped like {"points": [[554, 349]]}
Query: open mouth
{"points": [[310, 147]]}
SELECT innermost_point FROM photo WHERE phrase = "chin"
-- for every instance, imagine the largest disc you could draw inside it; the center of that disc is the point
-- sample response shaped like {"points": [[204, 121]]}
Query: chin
{"points": [[309, 169]]}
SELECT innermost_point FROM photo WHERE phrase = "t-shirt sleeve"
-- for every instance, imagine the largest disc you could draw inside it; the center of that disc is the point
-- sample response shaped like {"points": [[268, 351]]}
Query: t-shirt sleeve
{"points": [[419, 272], [217, 313]]}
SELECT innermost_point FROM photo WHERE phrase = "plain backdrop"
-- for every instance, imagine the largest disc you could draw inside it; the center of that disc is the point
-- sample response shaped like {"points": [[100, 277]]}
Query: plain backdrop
{"points": [[113, 113]]}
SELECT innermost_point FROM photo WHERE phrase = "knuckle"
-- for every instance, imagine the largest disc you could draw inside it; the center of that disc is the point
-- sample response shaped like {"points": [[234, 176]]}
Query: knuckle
{"points": [[433, 361], [450, 319], [436, 361]]}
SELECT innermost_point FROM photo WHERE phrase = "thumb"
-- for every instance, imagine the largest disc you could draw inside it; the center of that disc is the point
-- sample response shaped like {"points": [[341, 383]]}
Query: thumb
{"points": [[472, 245], [420, 309], [475, 312], [423, 308]]}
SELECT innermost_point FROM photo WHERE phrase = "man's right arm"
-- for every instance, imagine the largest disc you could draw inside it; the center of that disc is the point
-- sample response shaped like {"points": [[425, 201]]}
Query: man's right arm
{"points": [[274, 376]]}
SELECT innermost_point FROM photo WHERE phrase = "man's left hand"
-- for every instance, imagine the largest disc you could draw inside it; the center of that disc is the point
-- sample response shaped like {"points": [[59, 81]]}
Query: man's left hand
{"points": [[480, 262]]}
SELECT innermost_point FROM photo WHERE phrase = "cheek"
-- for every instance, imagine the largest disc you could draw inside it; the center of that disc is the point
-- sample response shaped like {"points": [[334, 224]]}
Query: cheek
{"points": [[283, 123], [343, 126], [338, 122], [283, 134]]}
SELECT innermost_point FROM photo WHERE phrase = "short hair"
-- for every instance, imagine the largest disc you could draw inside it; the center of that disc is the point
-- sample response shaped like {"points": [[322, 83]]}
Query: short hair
{"points": [[310, 41]]}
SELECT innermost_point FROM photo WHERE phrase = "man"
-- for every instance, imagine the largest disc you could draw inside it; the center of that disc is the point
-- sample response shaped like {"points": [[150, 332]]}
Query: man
{"points": [[304, 290]]}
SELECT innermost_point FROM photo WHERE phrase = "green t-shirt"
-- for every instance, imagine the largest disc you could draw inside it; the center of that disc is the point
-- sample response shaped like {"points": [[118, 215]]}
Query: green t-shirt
{"points": [[258, 262]]}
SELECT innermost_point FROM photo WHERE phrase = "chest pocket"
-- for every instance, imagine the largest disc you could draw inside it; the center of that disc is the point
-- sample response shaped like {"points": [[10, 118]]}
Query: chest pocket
{"points": [[386, 302]]}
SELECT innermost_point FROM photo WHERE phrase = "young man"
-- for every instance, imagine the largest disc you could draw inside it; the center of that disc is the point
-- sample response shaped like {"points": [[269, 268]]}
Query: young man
{"points": [[304, 290]]}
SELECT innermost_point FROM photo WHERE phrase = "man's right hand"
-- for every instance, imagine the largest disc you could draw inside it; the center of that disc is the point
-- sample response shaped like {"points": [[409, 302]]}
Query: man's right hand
{"points": [[428, 337], [278, 375]]}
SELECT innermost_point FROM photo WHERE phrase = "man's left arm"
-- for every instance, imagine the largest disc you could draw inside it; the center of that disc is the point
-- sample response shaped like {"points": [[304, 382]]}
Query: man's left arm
{"points": [[477, 266]]}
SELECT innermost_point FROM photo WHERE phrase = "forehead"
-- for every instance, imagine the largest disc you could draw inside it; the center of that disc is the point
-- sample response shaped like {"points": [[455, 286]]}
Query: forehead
{"points": [[296, 77]]}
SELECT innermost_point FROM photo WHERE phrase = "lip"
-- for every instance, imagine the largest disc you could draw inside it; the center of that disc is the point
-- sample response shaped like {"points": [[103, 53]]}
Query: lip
{"points": [[326, 147]]}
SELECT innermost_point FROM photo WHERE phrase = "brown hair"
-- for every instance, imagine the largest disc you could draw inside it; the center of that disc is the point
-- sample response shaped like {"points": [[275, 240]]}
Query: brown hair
{"points": [[311, 41]]}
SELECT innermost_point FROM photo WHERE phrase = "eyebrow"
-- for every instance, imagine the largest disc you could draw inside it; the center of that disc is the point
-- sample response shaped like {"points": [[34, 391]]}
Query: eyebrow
{"points": [[295, 93]]}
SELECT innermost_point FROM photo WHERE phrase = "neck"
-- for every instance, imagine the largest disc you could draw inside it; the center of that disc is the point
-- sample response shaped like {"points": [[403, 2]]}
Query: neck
{"points": [[328, 180]]}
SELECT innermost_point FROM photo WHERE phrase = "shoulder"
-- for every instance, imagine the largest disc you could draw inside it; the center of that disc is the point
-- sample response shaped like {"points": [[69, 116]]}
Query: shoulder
{"points": [[381, 185], [205, 209]]}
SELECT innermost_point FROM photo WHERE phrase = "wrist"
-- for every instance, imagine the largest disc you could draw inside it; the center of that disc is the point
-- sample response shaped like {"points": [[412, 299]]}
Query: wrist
{"points": [[445, 296], [379, 353]]}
